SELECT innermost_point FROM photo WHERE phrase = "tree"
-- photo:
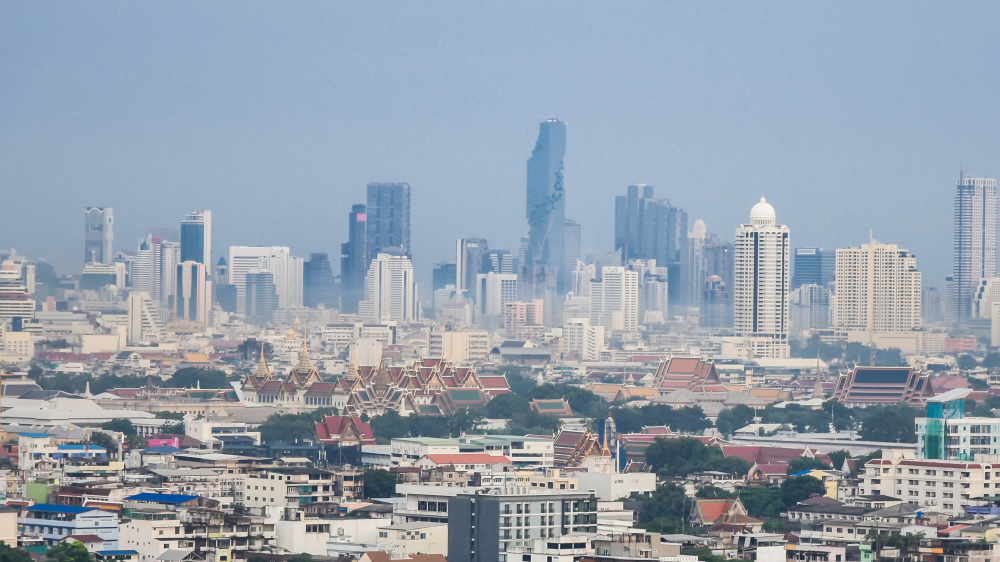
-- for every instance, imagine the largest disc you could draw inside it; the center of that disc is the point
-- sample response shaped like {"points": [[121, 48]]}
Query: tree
{"points": [[680, 457], [120, 425], [506, 405], [379, 483], [991, 361], [664, 510], [102, 439], [173, 428], [891, 424], [803, 464], [762, 501], [774, 526], [966, 362], [304, 557], [289, 427], [712, 492], [465, 421], [70, 551], [390, 425], [731, 419], [191, 377], [133, 442], [11, 554], [797, 488]]}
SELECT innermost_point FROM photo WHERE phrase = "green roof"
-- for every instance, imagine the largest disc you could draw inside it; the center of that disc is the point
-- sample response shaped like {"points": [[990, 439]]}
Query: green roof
{"points": [[465, 394]]}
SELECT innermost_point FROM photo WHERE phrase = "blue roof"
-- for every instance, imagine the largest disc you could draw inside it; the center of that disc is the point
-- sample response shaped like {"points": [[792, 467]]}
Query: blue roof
{"points": [[53, 508], [117, 552], [80, 447], [34, 434], [162, 498], [803, 473]]}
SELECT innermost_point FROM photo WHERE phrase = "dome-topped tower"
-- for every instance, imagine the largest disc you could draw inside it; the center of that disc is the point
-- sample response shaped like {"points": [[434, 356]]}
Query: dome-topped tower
{"points": [[762, 213]]}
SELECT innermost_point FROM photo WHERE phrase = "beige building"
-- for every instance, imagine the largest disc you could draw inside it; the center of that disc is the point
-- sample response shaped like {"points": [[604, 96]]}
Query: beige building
{"points": [[418, 537], [459, 347], [878, 290]]}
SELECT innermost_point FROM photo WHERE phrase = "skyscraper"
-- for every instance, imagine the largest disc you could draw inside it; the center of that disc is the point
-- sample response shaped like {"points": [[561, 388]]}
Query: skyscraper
{"points": [[878, 289], [285, 269], [975, 243], [170, 257], [354, 260], [498, 261], [261, 294], [98, 234], [193, 292], [388, 218], [196, 237], [762, 279], [469, 254], [695, 264], [614, 300], [493, 292], [814, 266], [546, 205], [391, 290], [318, 284], [652, 229], [571, 237], [141, 274]]}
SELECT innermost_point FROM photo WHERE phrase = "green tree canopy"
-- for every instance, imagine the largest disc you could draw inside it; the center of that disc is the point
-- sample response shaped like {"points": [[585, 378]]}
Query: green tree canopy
{"points": [[797, 488], [288, 427], [895, 423], [71, 551], [731, 419], [191, 377], [379, 483], [506, 405], [838, 458], [712, 492], [680, 457], [120, 425], [802, 464], [11, 554]]}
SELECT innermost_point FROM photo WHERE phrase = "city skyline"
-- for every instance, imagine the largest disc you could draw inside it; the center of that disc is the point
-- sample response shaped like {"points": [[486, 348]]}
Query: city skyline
{"points": [[276, 169]]}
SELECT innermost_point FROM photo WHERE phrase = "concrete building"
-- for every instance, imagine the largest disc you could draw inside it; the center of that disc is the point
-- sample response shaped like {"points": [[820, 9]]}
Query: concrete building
{"points": [[813, 266], [975, 243], [469, 253], [354, 260], [193, 298], [614, 300], [319, 285], [53, 523], [585, 340], [98, 234], [571, 243], [261, 296], [695, 266], [277, 260], [144, 322], [938, 485], [96, 276], [524, 320], [504, 519], [878, 289], [278, 488], [459, 347], [418, 537], [15, 300], [391, 290], [810, 308], [493, 291], [761, 277]]}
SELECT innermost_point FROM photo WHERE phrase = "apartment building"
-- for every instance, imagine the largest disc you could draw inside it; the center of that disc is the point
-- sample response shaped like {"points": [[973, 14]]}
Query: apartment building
{"points": [[53, 523], [278, 488]]}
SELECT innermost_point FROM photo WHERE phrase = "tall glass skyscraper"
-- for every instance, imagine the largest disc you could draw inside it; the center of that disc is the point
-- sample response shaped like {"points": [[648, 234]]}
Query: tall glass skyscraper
{"points": [[318, 284], [546, 202], [196, 238], [354, 260], [388, 218], [975, 243], [813, 266]]}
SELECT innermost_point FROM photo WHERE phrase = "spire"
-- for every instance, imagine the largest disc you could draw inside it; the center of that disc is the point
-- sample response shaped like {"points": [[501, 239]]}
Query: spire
{"points": [[262, 371], [86, 391]]}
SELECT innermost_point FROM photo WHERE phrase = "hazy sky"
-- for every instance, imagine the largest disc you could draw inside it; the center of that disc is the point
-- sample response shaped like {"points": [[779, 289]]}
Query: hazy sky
{"points": [[847, 116]]}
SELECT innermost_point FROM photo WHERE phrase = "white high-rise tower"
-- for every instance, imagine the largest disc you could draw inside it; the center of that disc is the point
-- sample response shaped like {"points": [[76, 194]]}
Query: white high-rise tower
{"points": [[761, 276], [390, 290], [975, 250]]}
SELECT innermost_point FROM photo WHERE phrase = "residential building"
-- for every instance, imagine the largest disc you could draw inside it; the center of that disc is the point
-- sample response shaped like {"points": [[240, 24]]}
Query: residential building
{"points": [[947, 433], [387, 219], [946, 486], [278, 488], [498, 261], [506, 518], [166, 274], [878, 289], [545, 254], [319, 286], [761, 275], [53, 523], [695, 270], [354, 260], [471, 346], [652, 229], [469, 253], [571, 242], [583, 339], [975, 243], [391, 290], [810, 307], [196, 238], [524, 320], [614, 300], [418, 537], [98, 234], [813, 266]]}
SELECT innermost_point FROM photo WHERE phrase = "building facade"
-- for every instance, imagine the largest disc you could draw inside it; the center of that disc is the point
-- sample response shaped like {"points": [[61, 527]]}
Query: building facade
{"points": [[391, 290], [878, 289], [975, 243], [762, 278], [98, 234], [813, 266], [196, 237], [614, 300], [354, 260], [387, 219], [319, 286], [546, 203]]}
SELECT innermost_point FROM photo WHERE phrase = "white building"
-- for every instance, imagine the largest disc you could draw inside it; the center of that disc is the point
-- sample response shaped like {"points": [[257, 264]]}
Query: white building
{"points": [[54, 523], [458, 347], [986, 295], [99, 236], [15, 299], [390, 290], [586, 340], [170, 257], [614, 300], [141, 273], [696, 272], [582, 276], [144, 323], [810, 307], [193, 292], [276, 260], [878, 289], [761, 276], [493, 292], [418, 537], [975, 243]]}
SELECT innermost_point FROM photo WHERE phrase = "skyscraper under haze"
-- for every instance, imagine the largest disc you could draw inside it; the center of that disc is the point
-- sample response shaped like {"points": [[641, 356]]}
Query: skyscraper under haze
{"points": [[762, 280], [469, 254], [196, 238], [388, 218], [813, 266], [98, 234], [318, 283], [975, 243], [354, 260], [652, 229], [546, 206]]}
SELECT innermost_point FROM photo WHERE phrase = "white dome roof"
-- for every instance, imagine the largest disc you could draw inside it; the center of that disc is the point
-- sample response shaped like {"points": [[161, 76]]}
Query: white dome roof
{"points": [[698, 230], [762, 213]]}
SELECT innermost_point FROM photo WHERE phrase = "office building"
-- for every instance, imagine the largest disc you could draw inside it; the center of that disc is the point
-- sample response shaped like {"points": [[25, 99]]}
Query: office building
{"points": [[96, 276], [354, 260], [387, 219], [652, 229], [813, 266], [614, 300], [571, 241], [878, 289], [586, 341], [498, 261], [932, 305], [762, 279], [287, 272], [144, 322], [170, 258], [810, 308], [391, 291], [261, 295], [695, 266], [469, 253], [524, 320], [98, 234], [319, 287], [583, 274], [975, 243], [196, 237], [192, 301], [484, 524], [467, 346], [141, 274], [493, 292], [545, 253], [15, 301], [716, 310]]}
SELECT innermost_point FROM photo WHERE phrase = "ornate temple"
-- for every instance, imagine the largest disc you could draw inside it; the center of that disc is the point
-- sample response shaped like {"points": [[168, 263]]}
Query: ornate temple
{"points": [[302, 388]]}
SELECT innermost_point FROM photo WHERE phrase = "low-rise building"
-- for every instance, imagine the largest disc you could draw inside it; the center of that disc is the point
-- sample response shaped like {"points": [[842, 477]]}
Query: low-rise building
{"points": [[419, 537], [53, 523]]}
